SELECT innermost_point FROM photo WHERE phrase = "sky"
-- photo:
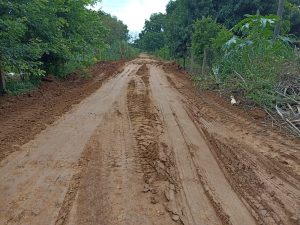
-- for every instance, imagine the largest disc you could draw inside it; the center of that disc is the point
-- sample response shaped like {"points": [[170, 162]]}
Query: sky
{"points": [[133, 12]]}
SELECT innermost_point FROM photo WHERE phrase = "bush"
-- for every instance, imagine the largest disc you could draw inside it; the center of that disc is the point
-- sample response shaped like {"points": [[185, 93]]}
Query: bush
{"points": [[163, 53], [250, 64], [117, 51], [205, 31], [17, 87]]}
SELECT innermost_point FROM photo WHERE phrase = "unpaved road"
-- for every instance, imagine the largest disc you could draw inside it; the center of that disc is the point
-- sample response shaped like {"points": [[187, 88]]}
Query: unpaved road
{"points": [[145, 148]]}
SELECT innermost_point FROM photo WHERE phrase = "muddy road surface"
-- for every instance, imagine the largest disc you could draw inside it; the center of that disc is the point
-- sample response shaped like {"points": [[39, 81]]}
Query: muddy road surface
{"points": [[147, 148]]}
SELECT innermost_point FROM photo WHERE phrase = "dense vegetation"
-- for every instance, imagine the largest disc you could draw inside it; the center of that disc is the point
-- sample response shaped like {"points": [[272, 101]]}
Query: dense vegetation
{"points": [[231, 43], [39, 37]]}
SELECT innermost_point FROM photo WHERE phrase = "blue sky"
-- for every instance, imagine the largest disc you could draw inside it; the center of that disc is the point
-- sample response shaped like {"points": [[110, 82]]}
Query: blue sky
{"points": [[133, 12]]}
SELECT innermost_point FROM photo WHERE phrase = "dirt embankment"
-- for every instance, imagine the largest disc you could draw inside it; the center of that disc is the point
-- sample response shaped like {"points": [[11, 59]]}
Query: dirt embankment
{"points": [[22, 117]]}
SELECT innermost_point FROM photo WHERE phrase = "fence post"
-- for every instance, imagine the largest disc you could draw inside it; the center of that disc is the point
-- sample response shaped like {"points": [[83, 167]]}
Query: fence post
{"points": [[192, 63], [204, 62], [2, 81]]}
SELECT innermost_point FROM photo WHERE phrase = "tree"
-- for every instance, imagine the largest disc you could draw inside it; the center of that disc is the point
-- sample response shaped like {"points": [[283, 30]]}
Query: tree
{"points": [[205, 31], [292, 14], [19, 50], [116, 39], [152, 37], [178, 32], [2, 81], [116, 29], [181, 14], [64, 39], [56, 37], [280, 15], [207, 38]]}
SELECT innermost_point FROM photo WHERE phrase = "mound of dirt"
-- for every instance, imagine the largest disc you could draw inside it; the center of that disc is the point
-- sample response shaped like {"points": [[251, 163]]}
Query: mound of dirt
{"points": [[173, 67], [22, 117]]}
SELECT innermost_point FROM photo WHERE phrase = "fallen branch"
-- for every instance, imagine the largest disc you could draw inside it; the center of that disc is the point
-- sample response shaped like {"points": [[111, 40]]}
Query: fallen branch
{"points": [[273, 119], [286, 96], [292, 125]]}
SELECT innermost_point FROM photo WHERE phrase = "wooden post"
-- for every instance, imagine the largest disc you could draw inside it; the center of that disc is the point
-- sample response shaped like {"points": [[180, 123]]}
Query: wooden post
{"points": [[204, 62], [2, 81], [280, 15], [192, 63]]}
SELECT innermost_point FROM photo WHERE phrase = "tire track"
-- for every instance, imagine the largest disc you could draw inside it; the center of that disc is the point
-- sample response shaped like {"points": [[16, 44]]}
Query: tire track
{"points": [[111, 191], [251, 161], [218, 200], [144, 149], [148, 128]]}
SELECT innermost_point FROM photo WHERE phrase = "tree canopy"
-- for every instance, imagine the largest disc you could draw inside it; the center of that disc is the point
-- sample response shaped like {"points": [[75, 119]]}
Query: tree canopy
{"points": [[40, 37], [152, 37], [181, 15]]}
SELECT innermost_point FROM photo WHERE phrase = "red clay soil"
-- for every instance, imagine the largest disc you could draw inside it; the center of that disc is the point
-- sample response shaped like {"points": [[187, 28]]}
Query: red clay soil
{"points": [[255, 115], [22, 117], [146, 148], [259, 161], [250, 125]]}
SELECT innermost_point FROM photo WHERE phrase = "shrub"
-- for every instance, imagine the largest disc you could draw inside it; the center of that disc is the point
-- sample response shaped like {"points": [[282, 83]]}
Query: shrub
{"points": [[163, 53], [17, 87], [205, 30], [250, 64]]}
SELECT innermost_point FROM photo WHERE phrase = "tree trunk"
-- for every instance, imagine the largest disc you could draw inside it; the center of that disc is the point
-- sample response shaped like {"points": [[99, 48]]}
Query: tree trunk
{"points": [[184, 62], [2, 81], [280, 15]]}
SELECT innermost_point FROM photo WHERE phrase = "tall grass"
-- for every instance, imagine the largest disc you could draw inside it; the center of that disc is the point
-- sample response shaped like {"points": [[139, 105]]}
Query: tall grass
{"points": [[253, 70], [250, 62]]}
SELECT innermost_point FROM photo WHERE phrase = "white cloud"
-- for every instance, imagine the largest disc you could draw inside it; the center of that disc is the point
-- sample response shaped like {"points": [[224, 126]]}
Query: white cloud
{"points": [[133, 12]]}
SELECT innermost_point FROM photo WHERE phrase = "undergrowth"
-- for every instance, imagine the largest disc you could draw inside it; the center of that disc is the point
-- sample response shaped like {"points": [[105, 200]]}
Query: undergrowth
{"points": [[249, 63], [17, 87], [117, 51]]}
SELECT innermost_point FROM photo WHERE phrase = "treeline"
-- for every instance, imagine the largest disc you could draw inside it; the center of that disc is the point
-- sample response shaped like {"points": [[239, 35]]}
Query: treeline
{"points": [[231, 43], [57, 37], [173, 31]]}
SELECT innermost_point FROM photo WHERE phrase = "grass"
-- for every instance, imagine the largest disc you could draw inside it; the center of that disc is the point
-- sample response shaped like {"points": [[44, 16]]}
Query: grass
{"points": [[254, 71], [17, 87]]}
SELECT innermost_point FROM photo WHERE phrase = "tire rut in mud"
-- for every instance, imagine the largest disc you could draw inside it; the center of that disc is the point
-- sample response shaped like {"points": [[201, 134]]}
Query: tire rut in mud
{"points": [[154, 155], [268, 189], [147, 127], [270, 200], [246, 179], [209, 191], [65, 210]]}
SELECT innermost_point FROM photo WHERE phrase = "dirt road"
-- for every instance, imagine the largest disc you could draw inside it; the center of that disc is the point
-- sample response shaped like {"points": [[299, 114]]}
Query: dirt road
{"points": [[146, 148]]}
